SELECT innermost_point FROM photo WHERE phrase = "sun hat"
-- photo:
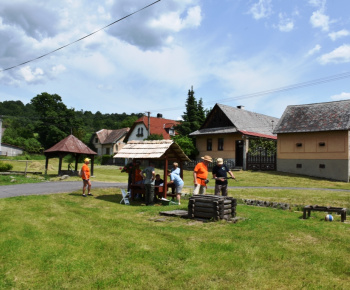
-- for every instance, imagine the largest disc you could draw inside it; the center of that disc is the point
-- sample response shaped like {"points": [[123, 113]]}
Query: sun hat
{"points": [[220, 161], [207, 158], [87, 160]]}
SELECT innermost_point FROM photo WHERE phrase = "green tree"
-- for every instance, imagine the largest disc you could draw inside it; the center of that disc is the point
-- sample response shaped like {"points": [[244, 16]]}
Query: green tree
{"points": [[190, 121], [56, 121], [257, 144], [202, 113], [154, 137], [186, 144]]}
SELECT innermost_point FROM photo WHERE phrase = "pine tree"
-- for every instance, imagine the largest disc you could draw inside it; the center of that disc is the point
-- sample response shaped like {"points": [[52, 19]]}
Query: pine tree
{"points": [[190, 118]]}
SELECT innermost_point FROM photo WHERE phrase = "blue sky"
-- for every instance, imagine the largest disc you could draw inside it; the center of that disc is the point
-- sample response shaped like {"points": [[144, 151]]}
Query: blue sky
{"points": [[226, 49]]}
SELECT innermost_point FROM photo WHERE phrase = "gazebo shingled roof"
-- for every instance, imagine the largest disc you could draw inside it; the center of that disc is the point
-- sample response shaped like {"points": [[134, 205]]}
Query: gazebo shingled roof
{"points": [[69, 145]]}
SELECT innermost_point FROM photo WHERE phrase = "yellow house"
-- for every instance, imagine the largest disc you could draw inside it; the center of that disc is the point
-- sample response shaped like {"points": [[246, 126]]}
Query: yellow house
{"points": [[226, 132], [313, 140]]}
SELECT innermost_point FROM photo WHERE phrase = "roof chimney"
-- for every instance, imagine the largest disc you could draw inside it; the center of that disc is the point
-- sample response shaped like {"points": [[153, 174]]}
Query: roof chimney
{"points": [[159, 115], [240, 107]]}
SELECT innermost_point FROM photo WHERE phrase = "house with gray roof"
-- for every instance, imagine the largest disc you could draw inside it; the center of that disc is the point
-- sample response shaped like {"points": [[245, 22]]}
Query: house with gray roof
{"points": [[109, 142], [313, 140], [227, 130]]}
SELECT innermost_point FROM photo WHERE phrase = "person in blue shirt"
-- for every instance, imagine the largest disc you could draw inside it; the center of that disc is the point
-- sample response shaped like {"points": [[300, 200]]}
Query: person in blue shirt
{"points": [[220, 171], [179, 184], [176, 168]]}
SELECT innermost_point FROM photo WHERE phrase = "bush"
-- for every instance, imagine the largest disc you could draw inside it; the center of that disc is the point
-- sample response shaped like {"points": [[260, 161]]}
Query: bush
{"points": [[105, 159], [5, 167]]}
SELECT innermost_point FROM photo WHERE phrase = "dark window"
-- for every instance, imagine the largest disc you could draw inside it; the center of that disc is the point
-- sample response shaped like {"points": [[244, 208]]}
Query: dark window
{"points": [[96, 140], [299, 165], [107, 151], [299, 144], [139, 132], [220, 144], [209, 144], [322, 144], [322, 166]]}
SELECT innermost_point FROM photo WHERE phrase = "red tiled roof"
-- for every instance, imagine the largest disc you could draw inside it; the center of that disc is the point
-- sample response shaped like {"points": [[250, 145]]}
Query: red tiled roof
{"points": [[258, 135], [71, 144], [158, 125]]}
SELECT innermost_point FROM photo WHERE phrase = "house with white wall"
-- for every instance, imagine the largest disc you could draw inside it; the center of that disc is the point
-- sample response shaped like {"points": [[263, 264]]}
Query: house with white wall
{"points": [[147, 125], [109, 142]]}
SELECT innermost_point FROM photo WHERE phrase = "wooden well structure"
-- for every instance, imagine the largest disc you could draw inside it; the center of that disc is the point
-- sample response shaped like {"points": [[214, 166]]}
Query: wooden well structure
{"points": [[165, 150]]}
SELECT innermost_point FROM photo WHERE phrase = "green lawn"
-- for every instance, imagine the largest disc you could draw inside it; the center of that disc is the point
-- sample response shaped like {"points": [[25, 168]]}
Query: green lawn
{"points": [[66, 241]]}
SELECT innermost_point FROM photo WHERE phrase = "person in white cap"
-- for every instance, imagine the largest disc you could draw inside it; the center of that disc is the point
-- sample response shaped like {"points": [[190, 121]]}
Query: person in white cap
{"points": [[220, 171], [85, 175], [200, 175]]}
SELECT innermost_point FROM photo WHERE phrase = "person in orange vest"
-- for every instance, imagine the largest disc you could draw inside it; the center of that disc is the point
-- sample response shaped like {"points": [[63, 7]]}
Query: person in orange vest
{"points": [[200, 175], [85, 175]]}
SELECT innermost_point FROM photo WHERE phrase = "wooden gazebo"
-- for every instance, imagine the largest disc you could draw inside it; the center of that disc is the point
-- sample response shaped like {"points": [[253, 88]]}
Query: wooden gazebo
{"points": [[69, 145], [166, 150]]}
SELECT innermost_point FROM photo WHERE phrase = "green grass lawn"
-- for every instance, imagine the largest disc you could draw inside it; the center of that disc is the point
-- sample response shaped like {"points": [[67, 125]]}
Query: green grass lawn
{"points": [[66, 241]]}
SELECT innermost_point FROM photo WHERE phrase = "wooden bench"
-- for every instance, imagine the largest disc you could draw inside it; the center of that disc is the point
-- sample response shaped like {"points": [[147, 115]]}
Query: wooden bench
{"points": [[307, 209]]}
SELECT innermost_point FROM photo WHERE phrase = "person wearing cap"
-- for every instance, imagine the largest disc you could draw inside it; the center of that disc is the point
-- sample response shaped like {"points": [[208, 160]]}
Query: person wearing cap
{"points": [[85, 175], [200, 175], [220, 171]]}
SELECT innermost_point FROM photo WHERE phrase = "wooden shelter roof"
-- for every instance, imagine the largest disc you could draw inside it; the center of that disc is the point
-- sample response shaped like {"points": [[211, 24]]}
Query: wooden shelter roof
{"points": [[157, 149], [71, 144]]}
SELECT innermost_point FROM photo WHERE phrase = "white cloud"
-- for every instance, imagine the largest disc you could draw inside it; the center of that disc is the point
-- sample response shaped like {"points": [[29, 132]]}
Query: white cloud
{"points": [[339, 55], [261, 9], [173, 22], [320, 20], [342, 96], [341, 33], [286, 24], [312, 51], [30, 75], [318, 3]]}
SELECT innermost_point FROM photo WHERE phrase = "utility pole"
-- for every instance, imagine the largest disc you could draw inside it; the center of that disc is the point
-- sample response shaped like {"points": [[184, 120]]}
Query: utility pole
{"points": [[149, 123]]}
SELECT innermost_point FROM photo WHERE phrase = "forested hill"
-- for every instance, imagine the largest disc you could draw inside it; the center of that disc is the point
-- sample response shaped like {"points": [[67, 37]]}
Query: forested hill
{"points": [[46, 120]]}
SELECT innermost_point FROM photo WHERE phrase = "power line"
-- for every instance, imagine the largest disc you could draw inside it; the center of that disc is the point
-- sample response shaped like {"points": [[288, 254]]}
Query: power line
{"points": [[46, 54], [276, 90]]}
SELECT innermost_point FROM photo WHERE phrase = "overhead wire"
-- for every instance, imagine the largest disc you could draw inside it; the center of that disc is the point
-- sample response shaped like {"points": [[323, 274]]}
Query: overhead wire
{"points": [[88, 35], [271, 91]]}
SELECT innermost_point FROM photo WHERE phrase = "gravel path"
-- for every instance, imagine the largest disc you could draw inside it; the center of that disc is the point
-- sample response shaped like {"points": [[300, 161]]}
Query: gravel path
{"points": [[70, 186]]}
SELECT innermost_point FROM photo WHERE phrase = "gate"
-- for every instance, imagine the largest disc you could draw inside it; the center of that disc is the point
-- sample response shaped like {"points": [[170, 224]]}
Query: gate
{"points": [[261, 159]]}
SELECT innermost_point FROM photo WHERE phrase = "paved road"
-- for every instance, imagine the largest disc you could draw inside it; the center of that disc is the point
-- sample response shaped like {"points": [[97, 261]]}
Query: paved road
{"points": [[70, 186], [51, 187]]}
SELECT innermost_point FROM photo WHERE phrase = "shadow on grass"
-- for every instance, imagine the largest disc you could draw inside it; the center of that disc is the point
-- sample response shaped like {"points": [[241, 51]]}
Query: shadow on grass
{"points": [[116, 198]]}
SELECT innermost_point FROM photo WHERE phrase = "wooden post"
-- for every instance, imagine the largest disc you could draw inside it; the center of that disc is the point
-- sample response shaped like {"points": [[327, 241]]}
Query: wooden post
{"points": [[60, 165], [25, 171], [165, 176], [92, 164], [46, 164]]}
